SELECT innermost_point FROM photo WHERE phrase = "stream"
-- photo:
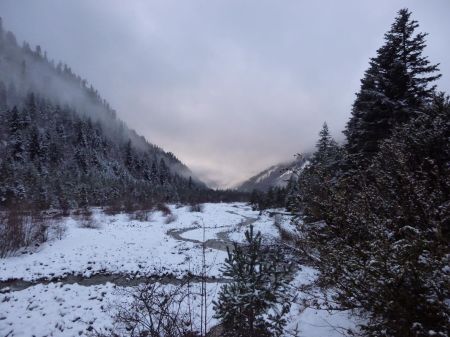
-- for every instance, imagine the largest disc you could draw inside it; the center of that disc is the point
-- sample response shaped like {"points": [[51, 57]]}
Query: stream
{"points": [[221, 243]]}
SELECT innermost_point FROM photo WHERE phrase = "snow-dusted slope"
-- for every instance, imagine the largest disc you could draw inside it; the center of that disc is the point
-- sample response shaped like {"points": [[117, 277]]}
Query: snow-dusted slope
{"points": [[275, 176], [60, 137]]}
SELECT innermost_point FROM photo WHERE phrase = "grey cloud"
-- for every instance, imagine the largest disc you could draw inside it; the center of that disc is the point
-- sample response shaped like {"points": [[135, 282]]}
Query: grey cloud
{"points": [[230, 87]]}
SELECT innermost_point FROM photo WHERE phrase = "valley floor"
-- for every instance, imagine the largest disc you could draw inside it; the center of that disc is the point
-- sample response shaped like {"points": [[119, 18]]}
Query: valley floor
{"points": [[70, 285]]}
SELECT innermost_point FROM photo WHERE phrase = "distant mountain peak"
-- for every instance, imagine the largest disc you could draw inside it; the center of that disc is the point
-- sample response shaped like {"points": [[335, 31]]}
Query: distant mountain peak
{"points": [[275, 176]]}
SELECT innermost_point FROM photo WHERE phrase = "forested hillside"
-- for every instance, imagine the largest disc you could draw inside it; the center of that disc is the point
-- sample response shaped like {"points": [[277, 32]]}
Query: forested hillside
{"points": [[63, 146]]}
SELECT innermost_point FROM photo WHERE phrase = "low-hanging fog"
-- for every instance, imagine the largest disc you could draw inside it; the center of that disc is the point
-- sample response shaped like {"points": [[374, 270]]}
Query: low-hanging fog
{"points": [[230, 87]]}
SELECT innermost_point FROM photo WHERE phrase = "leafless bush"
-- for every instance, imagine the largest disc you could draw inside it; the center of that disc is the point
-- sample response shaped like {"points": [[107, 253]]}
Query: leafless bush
{"points": [[59, 230], [87, 220], [12, 234], [30, 228], [113, 209], [154, 310], [170, 218], [21, 228], [164, 209], [196, 208], [65, 208], [129, 206], [140, 215], [146, 205], [39, 225]]}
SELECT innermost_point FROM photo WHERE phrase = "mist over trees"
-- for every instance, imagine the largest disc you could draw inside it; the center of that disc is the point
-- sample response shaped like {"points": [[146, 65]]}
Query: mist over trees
{"points": [[62, 146]]}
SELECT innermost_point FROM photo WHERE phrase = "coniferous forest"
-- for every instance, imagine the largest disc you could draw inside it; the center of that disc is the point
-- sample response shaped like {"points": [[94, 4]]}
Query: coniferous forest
{"points": [[62, 145], [367, 217], [376, 210]]}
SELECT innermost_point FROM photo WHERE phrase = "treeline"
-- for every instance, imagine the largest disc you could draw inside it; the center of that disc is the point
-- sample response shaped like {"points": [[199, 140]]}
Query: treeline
{"points": [[61, 145], [376, 210], [275, 197], [51, 157]]}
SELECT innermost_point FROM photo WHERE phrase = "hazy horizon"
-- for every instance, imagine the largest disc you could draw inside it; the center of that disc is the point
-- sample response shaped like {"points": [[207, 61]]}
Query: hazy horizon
{"points": [[229, 87]]}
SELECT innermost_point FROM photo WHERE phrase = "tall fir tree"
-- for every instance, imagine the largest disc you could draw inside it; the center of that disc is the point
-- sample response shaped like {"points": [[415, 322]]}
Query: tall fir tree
{"points": [[326, 148], [397, 84], [154, 173], [317, 179], [163, 172]]}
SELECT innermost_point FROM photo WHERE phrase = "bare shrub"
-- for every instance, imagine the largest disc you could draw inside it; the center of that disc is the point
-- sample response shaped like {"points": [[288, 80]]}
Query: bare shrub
{"points": [[12, 234], [60, 229], [87, 220], [164, 209], [154, 310], [23, 228], [129, 206], [29, 224], [113, 209], [196, 208], [146, 205], [140, 215], [20, 228], [170, 218], [39, 225], [65, 207]]}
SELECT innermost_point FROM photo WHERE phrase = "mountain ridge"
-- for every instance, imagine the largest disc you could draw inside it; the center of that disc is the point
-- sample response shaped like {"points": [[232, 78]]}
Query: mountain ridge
{"points": [[276, 175], [58, 136]]}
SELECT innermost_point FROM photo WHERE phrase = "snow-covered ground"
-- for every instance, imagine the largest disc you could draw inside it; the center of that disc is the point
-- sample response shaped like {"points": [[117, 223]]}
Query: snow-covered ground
{"points": [[130, 247], [68, 310], [121, 245]]}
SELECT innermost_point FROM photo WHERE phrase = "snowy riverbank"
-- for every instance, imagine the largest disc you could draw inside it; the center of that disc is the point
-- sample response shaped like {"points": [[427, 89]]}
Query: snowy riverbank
{"points": [[120, 246]]}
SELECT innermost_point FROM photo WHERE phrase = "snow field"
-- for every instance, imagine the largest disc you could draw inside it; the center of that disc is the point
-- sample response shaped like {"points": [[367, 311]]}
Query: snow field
{"points": [[126, 246], [130, 247], [69, 310]]}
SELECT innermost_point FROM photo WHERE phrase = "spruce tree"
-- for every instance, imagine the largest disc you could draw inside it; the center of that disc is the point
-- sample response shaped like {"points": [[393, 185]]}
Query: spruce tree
{"points": [[154, 173], [397, 84], [3, 97], [34, 144], [384, 245], [163, 172], [256, 301], [292, 195], [14, 121], [326, 148], [317, 179], [129, 155]]}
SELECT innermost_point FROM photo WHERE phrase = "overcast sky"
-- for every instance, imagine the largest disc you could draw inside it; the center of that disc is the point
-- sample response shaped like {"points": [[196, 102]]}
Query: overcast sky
{"points": [[230, 87]]}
